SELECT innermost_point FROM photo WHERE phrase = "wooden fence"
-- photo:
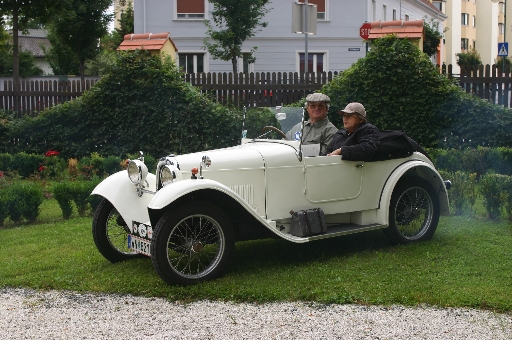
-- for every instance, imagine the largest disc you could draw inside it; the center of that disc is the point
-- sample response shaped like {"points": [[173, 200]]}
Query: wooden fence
{"points": [[33, 96], [259, 89], [247, 89], [488, 82]]}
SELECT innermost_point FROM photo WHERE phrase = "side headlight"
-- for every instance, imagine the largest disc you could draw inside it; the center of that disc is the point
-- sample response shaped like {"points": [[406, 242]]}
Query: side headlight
{"points": [[168, 174], [137, 171]]}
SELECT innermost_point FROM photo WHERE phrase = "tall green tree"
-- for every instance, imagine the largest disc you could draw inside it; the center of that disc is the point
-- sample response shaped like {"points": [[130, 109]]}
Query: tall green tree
{"points": [[79, 27], [236, 21], [126, 23], [432, 37], [22, 12], [62, 59]]}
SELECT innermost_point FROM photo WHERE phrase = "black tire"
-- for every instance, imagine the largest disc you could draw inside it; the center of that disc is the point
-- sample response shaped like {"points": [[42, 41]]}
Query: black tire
{"points": [[110, 233], [413, 212], [192, 244]]}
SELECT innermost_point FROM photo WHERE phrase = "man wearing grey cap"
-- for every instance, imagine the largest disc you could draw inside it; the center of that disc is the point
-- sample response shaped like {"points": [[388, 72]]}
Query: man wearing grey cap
{"points": [[318, 129], [358, 141]]}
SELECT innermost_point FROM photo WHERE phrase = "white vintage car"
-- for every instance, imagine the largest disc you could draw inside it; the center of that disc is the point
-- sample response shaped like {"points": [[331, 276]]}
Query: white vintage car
{"points": [[188, 216]]}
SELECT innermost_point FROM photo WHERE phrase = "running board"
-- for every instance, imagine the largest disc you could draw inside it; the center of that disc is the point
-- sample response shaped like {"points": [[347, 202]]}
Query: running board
{"points": [[346, 229]]}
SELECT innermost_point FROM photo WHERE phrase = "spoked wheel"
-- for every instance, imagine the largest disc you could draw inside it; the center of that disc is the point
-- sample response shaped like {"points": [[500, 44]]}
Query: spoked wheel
{"points": [[413, 212], [192, 244], [110, 233]]}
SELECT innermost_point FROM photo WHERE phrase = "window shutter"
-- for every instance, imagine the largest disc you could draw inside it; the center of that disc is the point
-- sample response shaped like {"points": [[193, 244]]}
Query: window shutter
{"points": [[190, 6]]}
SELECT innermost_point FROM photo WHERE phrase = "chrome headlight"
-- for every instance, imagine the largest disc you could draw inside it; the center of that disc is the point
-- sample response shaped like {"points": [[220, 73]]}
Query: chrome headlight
{"points": [[137, 171], [169, 174], [167, 171]]}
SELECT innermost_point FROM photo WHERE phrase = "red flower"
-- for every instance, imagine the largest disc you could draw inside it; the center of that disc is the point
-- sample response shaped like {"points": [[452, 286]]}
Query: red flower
{"points": [[51, 153], [42, 167], [1, 174]]}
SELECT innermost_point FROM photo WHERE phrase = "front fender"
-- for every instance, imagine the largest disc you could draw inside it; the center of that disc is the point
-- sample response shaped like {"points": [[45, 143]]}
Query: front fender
{"points": [[421, 169], [173, 192], [119, 191]]}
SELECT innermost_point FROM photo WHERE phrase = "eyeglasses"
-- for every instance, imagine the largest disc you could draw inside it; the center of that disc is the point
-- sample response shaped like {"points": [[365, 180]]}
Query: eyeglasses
{"points": [[348, 115], [317, 106]]}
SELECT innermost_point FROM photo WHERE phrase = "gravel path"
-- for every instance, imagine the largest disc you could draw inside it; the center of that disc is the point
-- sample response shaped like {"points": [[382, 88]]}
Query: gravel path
{"points": [[30, 314]]}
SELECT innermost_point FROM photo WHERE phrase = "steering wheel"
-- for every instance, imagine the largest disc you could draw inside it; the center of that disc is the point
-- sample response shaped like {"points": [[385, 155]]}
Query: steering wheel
{"points": [[266, 128]]}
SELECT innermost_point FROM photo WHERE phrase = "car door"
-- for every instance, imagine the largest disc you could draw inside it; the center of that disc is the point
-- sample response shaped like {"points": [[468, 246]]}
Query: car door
{"points": [[329, 178]]}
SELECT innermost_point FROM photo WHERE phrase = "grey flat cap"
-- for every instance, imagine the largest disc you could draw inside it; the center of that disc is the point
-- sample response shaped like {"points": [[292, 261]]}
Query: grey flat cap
{"points": [[317, 97]]}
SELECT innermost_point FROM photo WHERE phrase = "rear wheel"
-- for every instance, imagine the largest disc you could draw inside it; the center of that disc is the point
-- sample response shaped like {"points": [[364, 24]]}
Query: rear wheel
{"points": [[413, 212], [192, 244], [110, 233]]}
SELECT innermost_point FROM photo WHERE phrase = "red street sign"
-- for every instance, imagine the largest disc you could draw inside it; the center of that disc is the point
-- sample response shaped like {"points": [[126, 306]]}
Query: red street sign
{"points": [[364, 31]]}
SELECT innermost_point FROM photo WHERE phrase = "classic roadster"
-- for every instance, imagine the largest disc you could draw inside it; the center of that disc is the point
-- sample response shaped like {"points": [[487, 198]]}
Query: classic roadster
{"points": [[188, 216]]}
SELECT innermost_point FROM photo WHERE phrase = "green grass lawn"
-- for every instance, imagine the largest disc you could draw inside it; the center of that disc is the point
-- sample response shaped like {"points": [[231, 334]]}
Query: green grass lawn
{"points": [[468, 263]]}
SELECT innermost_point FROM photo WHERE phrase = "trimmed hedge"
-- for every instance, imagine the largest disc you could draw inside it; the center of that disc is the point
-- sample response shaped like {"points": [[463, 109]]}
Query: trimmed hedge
{"points": [[20, 200]]}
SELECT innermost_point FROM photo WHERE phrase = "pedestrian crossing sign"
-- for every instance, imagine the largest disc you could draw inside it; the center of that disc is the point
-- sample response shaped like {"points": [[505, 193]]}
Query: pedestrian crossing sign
{"points": [[503, 49]]}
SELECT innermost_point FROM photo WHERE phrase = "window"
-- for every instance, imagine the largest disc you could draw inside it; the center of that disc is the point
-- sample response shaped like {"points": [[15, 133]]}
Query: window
{"points": [[394, 14], [502, 7], [190, 9], [464, 44], [315, 62], [464, 19], [406, 18], [384, 10], [374, 10], [474, 21], [320, 8], [191, 62], [244, 64], [474, 44], [438, 4], [501, 28]]}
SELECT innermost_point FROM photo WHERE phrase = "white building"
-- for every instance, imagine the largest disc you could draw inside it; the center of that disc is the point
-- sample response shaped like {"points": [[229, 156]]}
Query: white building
{"points": [[335, 47]]}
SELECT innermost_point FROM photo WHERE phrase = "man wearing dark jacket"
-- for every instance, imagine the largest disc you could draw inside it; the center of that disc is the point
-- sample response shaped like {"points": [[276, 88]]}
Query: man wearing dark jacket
{"points": [[358, 141]]}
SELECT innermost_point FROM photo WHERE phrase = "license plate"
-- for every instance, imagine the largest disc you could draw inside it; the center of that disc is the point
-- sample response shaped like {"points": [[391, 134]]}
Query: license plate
{"points": [[139, 245]]}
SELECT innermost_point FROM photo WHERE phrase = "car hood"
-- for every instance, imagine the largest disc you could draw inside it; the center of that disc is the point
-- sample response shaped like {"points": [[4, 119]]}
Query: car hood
{"points": [[243, 157]]}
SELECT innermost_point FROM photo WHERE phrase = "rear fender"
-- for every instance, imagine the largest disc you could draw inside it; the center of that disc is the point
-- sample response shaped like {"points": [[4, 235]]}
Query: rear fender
{"points": [[119, 191], [413, 168]]}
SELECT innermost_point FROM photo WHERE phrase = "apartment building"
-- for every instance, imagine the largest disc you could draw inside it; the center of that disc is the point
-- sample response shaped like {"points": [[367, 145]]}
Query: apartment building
{"points": [[475, 24], [334, 47]]}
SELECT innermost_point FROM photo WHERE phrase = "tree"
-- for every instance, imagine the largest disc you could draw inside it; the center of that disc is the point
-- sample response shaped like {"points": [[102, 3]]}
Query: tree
{"points": [[26, 60], [126, 23], [400, 88], [61, 58], [469, 58], [237, 20], [79, 27], [22, 12], [432, 37]]}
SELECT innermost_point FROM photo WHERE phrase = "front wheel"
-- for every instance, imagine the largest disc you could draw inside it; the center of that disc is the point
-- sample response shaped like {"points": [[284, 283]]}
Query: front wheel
{"points": [[110, 233], [413, 212], [192, 244]]}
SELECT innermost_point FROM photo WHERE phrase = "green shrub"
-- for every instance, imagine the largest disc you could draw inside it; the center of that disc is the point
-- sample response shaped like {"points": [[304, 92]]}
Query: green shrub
{"points": [[5, 161], [97, 163], [111, 164], [4, 212], [141, 104], [27, 164], [400, 88], [507, 188], [23, 200], [80, 191], [457, 194], [491, 188], [63, 194]]}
